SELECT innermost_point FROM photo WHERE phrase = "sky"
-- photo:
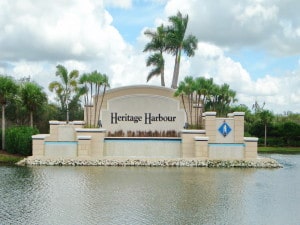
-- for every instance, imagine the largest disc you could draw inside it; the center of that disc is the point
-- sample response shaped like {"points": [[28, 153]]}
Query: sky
{"points": [[252, 45]]}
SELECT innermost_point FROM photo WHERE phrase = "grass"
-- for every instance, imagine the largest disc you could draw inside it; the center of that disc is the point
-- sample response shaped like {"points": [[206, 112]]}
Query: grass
{"points": [[6, 158], [279, 150]]}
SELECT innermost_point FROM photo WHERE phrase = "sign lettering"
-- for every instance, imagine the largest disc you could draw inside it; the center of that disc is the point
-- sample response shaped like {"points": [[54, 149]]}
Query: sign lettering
{"points": [[148, 118]]}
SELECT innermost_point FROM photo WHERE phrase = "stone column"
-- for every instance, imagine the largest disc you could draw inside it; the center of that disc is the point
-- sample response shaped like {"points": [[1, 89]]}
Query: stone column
{"points": [[238, 127], [251, 147], [97, 140], [38, 148], [201, 147], [210, 125], [84, 146], [187, 144]]}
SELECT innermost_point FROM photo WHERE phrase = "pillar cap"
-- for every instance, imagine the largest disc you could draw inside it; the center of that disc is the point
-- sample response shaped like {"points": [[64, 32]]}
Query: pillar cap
{"points": [[250, 139], [209, 114], [239, 114], [193, 131], [201, 138]]}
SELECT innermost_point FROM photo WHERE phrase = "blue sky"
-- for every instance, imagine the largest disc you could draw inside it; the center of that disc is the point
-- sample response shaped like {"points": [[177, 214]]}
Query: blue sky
{"points": [[253, 45]]}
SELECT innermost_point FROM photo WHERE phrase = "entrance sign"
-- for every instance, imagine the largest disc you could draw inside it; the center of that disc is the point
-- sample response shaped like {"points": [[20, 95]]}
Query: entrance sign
{"points": [[142, 112], [142, 108]]}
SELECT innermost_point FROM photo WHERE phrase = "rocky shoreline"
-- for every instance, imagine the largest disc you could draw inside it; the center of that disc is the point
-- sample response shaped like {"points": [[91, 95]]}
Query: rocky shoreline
{"points": [[247, 163]]}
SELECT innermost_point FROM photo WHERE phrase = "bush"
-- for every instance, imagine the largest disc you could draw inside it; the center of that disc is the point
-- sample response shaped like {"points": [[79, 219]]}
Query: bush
{"points": [[18, 140], [0, 139]]}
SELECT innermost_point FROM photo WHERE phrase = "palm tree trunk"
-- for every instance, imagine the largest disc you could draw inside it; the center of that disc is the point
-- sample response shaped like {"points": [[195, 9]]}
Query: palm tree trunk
{"points": [[3, 126], [104, 90], [265, 142], [176, 69], [31, 118], [96, 98], [162, 77], [184, 106]]}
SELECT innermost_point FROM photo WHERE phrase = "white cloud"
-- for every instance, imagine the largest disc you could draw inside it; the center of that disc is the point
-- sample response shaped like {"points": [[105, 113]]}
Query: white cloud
{"points": [[270, 25], [38, 35], [119, 3]]}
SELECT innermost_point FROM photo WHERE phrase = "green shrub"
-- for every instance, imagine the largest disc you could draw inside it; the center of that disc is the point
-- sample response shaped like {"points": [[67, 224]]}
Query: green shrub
{"points": [[0, 139], [18, 140]]}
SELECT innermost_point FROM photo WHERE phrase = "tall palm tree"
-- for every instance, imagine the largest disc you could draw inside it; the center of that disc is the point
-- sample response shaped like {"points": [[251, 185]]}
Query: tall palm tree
{"points": [[94, 85], [266, 118], [66, 88], [157, 45], [8, 89], [176, 42], [33, 98], [186, 90]]}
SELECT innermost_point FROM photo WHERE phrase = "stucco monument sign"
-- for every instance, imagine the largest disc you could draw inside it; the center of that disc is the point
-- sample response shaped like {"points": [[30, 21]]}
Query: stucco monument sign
{"points": [[139, 110], [142, 112]]}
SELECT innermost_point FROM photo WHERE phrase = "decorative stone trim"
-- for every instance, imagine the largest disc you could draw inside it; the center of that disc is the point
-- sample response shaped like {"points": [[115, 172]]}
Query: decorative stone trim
{"points": [[209, 114], [79, 122], [201, 138], [91, 130], [56, 122], [193, 131], [239, 114], [84, 137], [250, 139], [40, 136]]}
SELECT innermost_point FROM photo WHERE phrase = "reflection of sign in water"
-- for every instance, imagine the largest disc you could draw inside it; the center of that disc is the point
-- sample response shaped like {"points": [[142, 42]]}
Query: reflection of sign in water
{"points": [[224, 129]]}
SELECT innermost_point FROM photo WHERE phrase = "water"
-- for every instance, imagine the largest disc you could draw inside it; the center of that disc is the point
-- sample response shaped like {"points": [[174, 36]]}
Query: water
{"points": [[139, 195]]}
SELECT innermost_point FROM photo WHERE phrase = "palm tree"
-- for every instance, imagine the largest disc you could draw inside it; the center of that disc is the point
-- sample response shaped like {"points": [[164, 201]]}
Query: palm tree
{"points": [[202, 91], [186, 90], [157, 45], [227, 96], [66, 89], [8, 88], [266, 118], [33, 98], [176, 42], [94, 86]]}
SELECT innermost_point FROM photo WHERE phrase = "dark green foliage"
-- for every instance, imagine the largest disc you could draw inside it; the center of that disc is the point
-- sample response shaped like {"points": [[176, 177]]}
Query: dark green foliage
{"points": [[280, 134], [19, 140]]}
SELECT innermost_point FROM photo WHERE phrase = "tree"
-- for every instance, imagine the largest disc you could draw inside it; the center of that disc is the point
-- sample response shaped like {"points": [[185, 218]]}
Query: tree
{"points": [[33, 98], [94, 86], [186, 90], [65, 90], [157, 45], [203, 93], [266, 118], [8, 89], [176, 42]]}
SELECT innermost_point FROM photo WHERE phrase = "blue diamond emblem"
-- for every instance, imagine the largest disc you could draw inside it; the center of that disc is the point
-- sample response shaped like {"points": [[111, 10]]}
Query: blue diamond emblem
{"points": [[224, 129]]}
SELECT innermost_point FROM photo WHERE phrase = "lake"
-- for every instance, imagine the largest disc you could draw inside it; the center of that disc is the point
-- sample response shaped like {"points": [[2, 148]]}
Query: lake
{"points": [[147, 195]]}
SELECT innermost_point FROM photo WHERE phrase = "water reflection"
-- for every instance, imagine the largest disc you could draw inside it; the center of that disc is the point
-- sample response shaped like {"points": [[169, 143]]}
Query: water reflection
{"points": [[138, 195]]}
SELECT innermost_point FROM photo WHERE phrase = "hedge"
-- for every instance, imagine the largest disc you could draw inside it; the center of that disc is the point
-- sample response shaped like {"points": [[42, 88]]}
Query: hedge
{"points": [[18, 140]]}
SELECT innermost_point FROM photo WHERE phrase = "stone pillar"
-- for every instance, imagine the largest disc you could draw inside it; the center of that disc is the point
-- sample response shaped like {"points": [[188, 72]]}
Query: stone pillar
{"points": [[97, 140], [38, 144], [201, 147], [84, 146], [187, 144], [210, 125], [251, 147], [238, 127], [54, 130]]}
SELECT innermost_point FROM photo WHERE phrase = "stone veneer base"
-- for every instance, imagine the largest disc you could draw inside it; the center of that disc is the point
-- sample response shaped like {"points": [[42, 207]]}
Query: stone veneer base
{"points": [[241, 163]]}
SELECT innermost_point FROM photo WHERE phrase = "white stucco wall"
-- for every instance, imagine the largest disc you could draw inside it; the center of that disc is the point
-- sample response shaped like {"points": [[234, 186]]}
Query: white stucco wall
{"points": [[148, 112]]}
